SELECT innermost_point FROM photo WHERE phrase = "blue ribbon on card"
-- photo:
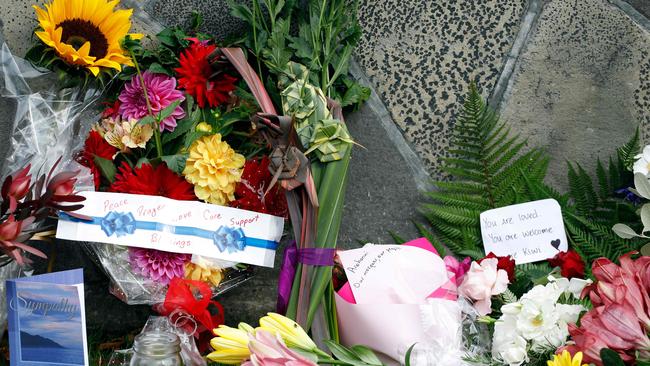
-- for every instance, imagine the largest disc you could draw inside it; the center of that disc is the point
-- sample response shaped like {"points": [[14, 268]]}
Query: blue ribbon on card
{"points": [[225, 238]]}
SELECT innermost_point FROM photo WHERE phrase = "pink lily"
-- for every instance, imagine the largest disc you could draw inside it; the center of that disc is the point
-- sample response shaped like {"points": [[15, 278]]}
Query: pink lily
{"points": [[270, 350]]}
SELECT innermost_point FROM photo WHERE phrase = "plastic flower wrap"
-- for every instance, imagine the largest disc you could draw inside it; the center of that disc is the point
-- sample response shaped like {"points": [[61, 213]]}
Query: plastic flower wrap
{"points": [[174, 129], [419, 291], [42, 119]]}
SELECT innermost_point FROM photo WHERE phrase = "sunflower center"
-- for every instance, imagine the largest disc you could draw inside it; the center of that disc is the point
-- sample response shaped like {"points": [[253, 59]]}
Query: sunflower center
{"points": [[76, 32]]}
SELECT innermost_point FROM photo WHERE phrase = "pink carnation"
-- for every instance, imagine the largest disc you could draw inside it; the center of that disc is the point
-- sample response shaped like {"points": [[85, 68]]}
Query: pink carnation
{"points": [[161, 90], [158, 265]]}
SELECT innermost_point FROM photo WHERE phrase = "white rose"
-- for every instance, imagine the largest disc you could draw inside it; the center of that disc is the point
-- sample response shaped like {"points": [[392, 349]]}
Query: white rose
{"points": [[513, 353]]}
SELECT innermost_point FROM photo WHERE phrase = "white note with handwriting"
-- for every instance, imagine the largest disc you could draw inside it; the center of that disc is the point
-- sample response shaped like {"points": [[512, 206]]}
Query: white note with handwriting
{"points": [[529, 232], [392, 274]]}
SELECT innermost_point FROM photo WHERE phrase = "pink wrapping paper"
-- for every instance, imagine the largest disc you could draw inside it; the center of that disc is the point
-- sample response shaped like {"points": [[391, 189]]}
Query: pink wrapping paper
{"points": [[391, 328]]}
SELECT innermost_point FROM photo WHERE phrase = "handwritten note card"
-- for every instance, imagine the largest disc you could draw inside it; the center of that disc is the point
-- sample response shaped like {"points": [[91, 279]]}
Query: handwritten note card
{"points": [[175, 226], [392, 274], [529, 232]]}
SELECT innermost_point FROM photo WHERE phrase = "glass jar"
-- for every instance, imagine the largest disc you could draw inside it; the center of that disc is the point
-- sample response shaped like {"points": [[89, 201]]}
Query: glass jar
{"points": [[156, 349]]}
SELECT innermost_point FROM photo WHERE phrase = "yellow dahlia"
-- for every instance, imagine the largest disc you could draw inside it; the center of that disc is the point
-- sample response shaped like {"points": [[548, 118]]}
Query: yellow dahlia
{"points": [[86, 33], [214, 169], [197, 272]]}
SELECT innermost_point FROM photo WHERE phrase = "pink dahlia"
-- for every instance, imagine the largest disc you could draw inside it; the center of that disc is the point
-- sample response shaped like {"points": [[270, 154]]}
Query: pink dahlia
{"points": [[161, 90], [158, 265]]}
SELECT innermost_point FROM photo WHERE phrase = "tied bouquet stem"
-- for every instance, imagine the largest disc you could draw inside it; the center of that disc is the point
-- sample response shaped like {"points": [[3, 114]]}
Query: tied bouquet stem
{"points": [[307, 73]]}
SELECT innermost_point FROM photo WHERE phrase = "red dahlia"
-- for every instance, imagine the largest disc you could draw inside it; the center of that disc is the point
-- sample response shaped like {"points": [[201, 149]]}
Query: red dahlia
{"points": [[158, 181], [250, 190], [195, 75], [95, 145]]}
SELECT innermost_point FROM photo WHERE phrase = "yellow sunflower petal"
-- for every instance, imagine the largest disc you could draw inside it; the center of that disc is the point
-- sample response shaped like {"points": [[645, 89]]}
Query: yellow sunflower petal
{"points": [[94, 70], [85, 22], [45, 37]]}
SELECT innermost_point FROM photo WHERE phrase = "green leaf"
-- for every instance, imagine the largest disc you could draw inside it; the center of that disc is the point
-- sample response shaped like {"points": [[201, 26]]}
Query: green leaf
{"points": [[366, 355], [106, 167], [407, 356], [341, 352], [142, 161], [241, 11], [611, 358], [168, 111], [182, 127], [355, 94], [167, 37], [196, 20], [175, 162], [624, 231], [159, 69], [147, 120]]}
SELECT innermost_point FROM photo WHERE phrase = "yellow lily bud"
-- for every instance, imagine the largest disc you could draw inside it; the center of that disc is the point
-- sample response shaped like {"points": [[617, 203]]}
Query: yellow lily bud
{"points": [[290, 331], [231, 344], [204, 127]]}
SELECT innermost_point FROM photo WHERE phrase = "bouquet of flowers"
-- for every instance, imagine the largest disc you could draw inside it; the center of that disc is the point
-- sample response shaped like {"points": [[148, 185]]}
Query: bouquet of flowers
{"points": [[177, 125]]}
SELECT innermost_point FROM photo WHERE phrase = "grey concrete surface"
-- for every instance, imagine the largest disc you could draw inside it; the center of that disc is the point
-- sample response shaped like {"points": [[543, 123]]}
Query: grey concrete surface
{"points": [[421, 56], [643, 6], [581, 86]]}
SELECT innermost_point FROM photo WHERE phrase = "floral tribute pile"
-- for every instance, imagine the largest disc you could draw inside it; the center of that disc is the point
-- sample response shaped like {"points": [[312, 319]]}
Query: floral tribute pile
{"points": [[258, 125]]}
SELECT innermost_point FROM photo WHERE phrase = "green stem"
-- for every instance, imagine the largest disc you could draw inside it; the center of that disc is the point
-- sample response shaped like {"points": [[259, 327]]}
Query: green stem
{"points": [[255, 45], [156, 134], [332, 361], [156, 128]]}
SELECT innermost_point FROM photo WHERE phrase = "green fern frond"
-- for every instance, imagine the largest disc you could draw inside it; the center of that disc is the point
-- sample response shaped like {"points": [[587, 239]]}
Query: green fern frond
{"points": [[486, 165], [627, 152], [604, 188], [509, 297], [491, 167]]}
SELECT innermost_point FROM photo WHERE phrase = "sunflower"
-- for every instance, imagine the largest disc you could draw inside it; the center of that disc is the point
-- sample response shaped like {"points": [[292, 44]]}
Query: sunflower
{"points": [[86, 33]]}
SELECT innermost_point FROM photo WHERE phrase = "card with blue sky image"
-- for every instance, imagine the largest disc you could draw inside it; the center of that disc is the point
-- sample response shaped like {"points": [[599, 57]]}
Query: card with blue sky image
{"points": [[47, 322]]}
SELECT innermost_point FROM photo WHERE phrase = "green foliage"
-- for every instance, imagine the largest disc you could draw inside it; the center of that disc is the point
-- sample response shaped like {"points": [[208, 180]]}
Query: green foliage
{"points": [[491, 168], [324, 36], [611, 358], [354, 356], [487, 167]]}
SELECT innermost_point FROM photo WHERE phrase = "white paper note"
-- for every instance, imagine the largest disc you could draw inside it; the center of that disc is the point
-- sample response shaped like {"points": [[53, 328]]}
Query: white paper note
{"points": [[392, 274], [529, 232], [189, 227]]}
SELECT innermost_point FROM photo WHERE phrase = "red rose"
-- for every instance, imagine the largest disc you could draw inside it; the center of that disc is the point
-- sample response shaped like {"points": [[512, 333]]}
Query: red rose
{"points": [[570, 263], [505, 263]]}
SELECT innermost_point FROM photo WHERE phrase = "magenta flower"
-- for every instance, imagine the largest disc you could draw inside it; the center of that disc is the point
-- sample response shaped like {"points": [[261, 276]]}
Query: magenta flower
{"points": [[158, 265], [161, 90]]}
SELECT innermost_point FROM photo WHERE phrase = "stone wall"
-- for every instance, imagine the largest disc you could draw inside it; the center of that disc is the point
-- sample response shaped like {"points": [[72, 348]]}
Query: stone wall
{"points": [[571, 76]]}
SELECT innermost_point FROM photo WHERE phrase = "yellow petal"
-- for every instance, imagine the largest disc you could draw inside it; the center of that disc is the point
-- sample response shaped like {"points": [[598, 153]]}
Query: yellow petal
{"points": [[94, 70]]}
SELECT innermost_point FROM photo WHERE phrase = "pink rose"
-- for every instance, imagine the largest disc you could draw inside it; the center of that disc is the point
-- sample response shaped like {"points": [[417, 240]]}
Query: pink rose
{"points": [[482, 281], [269, 350]]}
